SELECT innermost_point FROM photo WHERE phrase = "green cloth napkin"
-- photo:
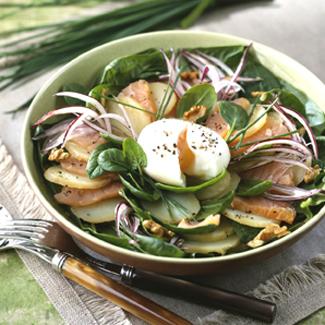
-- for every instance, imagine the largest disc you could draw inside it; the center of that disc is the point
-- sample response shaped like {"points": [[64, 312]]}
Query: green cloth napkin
{"points": [[22, 301]]}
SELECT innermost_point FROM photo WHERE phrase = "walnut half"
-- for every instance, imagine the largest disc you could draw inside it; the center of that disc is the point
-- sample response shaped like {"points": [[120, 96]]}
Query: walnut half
{"points": [[270, 232], [58, 155], [195, 113]]}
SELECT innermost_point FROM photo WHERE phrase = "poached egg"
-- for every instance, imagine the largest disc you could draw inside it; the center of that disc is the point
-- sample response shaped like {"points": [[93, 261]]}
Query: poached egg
{"points": [[176, 148]]}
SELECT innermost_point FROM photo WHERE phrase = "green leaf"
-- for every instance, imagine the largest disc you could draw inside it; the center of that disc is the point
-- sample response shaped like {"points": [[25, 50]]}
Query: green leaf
{"points": [[93, 168], [194, 188], [140, 193], [253, 187], [159, 247], [245, 233], [289, 100], [235, 116], [203, 94], [191, 231], [215, 206], [112, 160], [122, 71], [134, 154], [75, 88]]}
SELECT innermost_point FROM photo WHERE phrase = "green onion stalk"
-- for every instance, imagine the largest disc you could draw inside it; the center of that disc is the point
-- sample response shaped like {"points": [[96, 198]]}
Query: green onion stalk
{"points": [[49, 46]]}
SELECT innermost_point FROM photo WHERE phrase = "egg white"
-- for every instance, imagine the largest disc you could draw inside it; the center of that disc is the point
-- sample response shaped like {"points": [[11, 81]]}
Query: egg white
{"points": [[160, 140]]}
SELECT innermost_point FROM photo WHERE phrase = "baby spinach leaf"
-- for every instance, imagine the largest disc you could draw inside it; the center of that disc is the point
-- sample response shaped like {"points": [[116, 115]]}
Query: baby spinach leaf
{"points": [[159, 247], [93, 168], [289, 100], [112, 160], [314, 114], [235, 116], [75, 88], [215, 206], [134, 154], [140, 193], [253, 187], [203, 94], [245, 233], [194, 188], [124, 70], [138, 210], [115, 143], [191, 231]]}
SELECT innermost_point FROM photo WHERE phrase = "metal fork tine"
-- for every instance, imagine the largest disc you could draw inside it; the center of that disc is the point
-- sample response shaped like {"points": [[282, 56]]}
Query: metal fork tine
{"points": [[24, 228], [32, 222], [22, 234]]}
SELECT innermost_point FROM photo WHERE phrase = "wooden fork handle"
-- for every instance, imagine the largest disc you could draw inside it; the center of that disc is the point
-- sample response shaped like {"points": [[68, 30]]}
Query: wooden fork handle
{"points": [[117, 293]]}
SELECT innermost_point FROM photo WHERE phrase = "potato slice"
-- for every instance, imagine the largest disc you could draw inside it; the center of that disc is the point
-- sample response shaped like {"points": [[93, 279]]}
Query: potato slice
{"points": [[76, 151], [158, 90], [220, 247], [99, 212], [57, 175], [248, 219], [222, 232], [160, 210]]}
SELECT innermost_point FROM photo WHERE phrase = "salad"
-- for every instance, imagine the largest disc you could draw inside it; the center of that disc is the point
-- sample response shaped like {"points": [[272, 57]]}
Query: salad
{"points": [[185, 153]]}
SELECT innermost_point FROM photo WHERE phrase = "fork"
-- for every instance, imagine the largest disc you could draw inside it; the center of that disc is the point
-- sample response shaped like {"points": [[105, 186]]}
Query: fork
{"points": [[30, 235], [48, 233]]}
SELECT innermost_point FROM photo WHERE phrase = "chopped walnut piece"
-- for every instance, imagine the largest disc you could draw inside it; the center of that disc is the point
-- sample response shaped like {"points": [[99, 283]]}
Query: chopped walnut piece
{"points": [[270, 232], [58, 155], [312, 173], [190, 75], [157, 229], [195, 113]]}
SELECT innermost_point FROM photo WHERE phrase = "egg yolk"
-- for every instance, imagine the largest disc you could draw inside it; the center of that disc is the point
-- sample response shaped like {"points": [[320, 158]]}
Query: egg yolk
{"points": [[186, 156]]}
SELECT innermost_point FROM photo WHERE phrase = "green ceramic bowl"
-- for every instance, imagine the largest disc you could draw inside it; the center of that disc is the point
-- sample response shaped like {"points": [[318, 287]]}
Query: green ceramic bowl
{"points": [[86, 68]]}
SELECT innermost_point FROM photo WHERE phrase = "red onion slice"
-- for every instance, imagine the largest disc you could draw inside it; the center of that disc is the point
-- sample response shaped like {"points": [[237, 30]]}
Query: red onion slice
{"points": [[217, 62], [67, 110], [288, 142], [301, 119], [87, 99], [240, 67], [288, 123], [53, 130], [288, 193], [282, 160]]}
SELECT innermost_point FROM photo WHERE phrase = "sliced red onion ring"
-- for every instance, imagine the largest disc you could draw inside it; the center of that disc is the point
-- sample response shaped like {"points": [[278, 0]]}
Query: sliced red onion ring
{"points": [[122, 211], [67, 110], [288, 123], [282, 160], [301, 119], [240, 67], [217, 62], [101, 130], [53, 130], [52, 143], [115, 117], [283, 150], [87, 99], [179, 89], [288, 193], [71, 128], [288, 142]]}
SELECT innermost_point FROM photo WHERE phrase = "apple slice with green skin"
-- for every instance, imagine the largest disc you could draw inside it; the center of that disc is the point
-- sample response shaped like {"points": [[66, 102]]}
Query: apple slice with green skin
{"points": [[99, 212]]}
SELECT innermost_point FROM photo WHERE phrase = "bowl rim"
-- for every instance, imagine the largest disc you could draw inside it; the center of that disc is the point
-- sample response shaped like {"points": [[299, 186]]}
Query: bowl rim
{"points": [[123, 251]]}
